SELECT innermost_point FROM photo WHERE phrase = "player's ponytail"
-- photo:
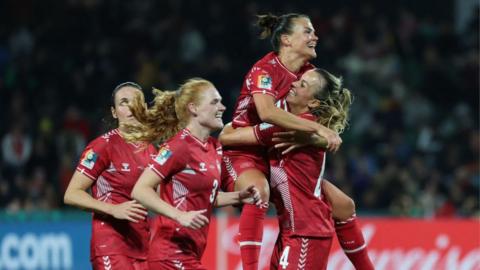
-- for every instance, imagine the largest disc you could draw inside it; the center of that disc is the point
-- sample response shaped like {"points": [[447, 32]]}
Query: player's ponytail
{"points": [[157, 122], [276, 26], [267, 23], [168, 113]]}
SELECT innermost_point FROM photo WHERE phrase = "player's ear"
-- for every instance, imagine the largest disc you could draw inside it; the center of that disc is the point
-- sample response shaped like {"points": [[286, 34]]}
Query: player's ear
{"points": [[285, 39], [114, 113], [314, 103], [192, 108]]}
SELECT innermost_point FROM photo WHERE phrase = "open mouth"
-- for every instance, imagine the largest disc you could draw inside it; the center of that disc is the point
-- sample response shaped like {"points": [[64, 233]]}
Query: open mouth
{"points": [[219, 115], [292, 92]]}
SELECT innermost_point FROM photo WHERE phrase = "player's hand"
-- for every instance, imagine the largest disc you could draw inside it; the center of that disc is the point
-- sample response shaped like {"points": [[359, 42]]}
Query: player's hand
{"points": [[131, 211], [193, 219], [250, 195], [332, 137]]}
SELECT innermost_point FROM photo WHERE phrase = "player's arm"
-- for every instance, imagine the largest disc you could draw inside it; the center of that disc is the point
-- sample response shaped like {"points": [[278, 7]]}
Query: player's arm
{"points": [[290, 140], [144, 192], [268, 112], [77, 195], [249, 195], [237, 136]]}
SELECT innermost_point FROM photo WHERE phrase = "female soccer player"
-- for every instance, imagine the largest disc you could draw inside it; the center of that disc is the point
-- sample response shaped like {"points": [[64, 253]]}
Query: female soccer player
{"points": [[298, 189], [110, 166], [293, 39], [187, 172]]}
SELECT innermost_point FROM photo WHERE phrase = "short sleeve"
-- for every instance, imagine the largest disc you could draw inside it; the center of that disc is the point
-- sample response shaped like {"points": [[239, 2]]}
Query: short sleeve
{"points": [[261, 81], [94, 159], [170, 159]]}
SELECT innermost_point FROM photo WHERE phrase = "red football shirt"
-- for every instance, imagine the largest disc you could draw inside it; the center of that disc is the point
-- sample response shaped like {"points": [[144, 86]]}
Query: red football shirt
{"points": [[267, 76], [296, 182], [115, 166], [190, 170]]}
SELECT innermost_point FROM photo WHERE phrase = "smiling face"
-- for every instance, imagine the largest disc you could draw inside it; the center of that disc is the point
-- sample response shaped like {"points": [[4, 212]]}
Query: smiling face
{"points": [[123, 98], [302, 39], [302, 94], [209, 110]]}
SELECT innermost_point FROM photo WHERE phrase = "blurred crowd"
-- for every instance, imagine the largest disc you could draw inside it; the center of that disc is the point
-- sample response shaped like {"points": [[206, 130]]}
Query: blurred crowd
{"points": [[412, 147]]}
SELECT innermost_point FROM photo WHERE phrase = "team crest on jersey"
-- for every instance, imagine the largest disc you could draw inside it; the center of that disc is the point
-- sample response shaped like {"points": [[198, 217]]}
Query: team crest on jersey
{"points": [[163, 155], [264, 81], [203, 167], [89, 159]]}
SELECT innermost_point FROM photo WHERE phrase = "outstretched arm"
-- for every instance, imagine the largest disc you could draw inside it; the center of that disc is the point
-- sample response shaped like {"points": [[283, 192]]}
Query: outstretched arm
{"points": [[249, 195], [237, 136], [268, 112]]}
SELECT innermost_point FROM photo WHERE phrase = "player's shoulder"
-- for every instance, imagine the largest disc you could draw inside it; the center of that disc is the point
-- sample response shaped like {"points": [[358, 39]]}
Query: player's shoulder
{"points": [[267, 63], [179, 142], [308, 66], [106, 139]]}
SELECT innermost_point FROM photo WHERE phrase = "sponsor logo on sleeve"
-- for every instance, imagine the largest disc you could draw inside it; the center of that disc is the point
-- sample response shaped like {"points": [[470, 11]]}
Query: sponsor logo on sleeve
{"points": [[89, 159], [264, 81], [163, 155]]}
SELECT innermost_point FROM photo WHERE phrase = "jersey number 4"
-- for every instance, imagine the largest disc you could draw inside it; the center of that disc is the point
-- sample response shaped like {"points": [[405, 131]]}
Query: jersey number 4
{"points": [[284, 258]]}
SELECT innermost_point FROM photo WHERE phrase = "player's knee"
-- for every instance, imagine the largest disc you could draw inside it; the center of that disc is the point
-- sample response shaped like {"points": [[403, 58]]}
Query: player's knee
{"points": [[263, 189], [264, 193], [345, 209]]}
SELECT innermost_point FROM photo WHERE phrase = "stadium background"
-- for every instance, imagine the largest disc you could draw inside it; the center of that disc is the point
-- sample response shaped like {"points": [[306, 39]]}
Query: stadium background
{"points": [[410, 156]]}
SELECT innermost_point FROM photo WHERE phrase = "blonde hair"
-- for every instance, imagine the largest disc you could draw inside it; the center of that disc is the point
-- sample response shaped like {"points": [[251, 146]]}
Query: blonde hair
{"points": [[168, 114], [335, 102]]}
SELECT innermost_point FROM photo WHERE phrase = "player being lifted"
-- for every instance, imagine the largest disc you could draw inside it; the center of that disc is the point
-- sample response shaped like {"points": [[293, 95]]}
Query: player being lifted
{"points": [[269, 80]]}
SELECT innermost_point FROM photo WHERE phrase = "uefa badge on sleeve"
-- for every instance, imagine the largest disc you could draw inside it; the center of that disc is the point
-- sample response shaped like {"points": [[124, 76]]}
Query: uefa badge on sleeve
{"points": [[163, 155], [89, 159]]}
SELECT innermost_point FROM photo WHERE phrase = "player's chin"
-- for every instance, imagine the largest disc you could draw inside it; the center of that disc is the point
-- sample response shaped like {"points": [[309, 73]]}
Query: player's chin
{"points": [[216, 125], [219, 124]]}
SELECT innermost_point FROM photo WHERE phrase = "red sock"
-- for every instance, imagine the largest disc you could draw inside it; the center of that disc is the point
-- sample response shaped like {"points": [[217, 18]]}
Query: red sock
{"points": [[351, 240], [250, 235]]}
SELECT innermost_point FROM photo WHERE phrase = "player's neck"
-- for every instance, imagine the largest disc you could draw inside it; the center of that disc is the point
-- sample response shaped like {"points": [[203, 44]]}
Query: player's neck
{"points": [[292, 61], [198, 131], [298, 110]]}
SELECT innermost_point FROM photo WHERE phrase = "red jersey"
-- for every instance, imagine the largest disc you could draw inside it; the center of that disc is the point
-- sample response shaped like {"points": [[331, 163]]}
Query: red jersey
{"points": [[296, 182], [190, 170], [115, 166], [268, 76]]}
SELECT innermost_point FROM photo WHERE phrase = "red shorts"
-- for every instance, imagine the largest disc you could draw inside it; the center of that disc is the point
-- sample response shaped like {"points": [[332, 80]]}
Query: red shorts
{"points": [[237, 162], [296, 252], [177, 264], [120, 262]]}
